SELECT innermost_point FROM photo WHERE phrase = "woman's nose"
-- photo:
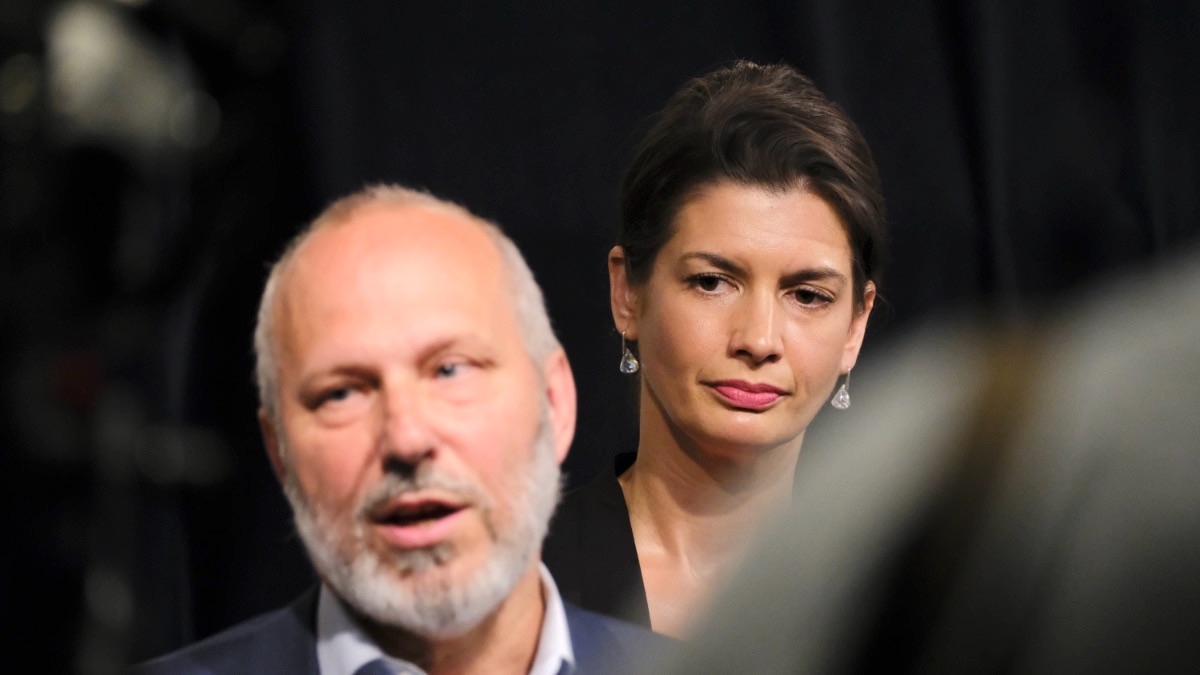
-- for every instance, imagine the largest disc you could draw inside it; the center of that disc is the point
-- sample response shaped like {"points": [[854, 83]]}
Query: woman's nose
{"points": [[757, 334]]}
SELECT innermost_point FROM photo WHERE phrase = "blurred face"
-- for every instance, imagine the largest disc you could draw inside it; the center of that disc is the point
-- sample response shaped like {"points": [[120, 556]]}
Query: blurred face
{"points": [[746, 320], [419, 444]]}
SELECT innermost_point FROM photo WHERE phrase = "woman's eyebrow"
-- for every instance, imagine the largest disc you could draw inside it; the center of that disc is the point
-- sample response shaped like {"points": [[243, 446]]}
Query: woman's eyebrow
{"points": [[813, 274], [818, 273], [719, 261]]}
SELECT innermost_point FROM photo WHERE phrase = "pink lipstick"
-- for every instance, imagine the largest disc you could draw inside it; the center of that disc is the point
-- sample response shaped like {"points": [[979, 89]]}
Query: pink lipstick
{"points": [[748, 395]]}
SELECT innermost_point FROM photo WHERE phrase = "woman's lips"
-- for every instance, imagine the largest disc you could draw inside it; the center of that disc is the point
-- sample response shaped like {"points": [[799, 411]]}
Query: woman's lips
{"points": [[748, 395]]}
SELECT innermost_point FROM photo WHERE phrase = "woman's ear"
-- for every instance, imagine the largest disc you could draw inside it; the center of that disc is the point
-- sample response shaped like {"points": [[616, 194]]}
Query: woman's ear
{"points": [[858, 328], [621, 294]]}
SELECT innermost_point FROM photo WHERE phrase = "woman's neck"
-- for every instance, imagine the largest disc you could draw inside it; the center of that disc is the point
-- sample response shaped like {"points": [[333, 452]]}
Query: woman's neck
{"points": [[694, 509], [696, 502]]}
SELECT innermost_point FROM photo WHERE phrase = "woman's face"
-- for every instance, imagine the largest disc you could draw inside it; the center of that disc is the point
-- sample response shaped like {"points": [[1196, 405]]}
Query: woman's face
{"points": [[746, 320]]}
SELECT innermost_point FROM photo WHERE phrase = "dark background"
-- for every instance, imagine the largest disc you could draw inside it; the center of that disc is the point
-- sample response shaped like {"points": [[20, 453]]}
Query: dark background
{"points": [[156, 154]]}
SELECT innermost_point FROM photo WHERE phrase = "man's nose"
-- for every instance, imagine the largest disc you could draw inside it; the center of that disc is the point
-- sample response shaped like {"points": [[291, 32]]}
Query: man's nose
{"points": [[757, 331], [406, 432]]}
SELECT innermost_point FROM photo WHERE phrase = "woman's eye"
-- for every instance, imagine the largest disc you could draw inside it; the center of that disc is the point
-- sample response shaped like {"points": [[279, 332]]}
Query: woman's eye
{"points": [[808, 296], [707, 282]]}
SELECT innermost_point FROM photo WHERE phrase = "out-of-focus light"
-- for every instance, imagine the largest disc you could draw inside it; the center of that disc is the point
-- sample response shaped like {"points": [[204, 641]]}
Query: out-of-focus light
{"points": [[109, 79]]}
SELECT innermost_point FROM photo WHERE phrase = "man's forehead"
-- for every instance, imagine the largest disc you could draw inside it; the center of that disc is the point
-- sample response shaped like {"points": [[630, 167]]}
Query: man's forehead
{"points": [[421, 229], [393, 257], [390, 239]]}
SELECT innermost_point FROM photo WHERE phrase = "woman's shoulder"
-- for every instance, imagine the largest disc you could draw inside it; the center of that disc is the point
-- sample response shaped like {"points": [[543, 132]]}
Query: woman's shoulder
{"points": [[590, 549], [597, 504]]}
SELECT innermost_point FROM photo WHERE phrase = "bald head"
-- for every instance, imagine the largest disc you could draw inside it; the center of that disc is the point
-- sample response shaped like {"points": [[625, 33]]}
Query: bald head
{"points": [[387, 215], [415, 406]]}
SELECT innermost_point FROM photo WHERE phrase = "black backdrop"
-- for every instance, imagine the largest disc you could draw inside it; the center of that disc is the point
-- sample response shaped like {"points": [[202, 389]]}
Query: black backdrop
{"points": [[1027, 149]]}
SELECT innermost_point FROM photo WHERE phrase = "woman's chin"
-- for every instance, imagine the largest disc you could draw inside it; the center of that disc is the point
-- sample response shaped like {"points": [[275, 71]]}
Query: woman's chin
{"points": [[746, 444]]}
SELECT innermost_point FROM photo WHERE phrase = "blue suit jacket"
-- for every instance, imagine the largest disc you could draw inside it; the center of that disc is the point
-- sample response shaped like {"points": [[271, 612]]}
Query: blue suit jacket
{"points": [[284, 641]]}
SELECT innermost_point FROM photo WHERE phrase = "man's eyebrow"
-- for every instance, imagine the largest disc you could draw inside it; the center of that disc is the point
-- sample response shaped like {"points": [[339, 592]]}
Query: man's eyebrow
{"points": [[341, 370], [469, 343], [791, 279], [438, 346]]}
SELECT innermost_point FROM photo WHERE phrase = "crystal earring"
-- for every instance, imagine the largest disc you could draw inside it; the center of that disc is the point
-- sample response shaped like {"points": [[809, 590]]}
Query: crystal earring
{"points": [[629, 362], [841, 398]]}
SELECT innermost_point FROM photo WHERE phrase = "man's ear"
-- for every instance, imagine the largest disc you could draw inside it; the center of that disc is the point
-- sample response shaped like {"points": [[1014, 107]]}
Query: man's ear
{"points": [[560, 393], [621, 294], [270, 437]]}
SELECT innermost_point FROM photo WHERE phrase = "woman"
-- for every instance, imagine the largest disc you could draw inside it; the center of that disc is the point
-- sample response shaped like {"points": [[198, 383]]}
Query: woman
{"points": [[746, 266]]}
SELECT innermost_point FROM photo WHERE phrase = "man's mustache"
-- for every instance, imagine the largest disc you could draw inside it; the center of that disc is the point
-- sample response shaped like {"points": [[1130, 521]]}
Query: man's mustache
{"points": [[395, 484]]}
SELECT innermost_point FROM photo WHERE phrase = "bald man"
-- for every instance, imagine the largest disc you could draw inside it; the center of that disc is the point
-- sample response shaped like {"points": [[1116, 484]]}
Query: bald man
{"points": [[416, 406]]}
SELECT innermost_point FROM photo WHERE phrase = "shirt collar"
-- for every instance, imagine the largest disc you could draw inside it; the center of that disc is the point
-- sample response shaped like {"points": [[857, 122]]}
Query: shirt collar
{"points": [[554, 652], [342, 647]]}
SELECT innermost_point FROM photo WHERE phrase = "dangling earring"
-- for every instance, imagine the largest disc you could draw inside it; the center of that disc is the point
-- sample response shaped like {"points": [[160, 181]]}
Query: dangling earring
{"points": [[841, 398], [629, 362]]}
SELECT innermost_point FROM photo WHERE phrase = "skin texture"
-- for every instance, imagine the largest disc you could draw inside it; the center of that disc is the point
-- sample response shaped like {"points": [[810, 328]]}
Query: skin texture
{"points": [[398, 346], [753, 287]]}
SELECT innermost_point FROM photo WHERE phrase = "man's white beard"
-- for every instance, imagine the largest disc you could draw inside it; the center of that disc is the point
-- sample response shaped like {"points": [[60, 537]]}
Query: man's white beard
{"points": [[404, 588]]}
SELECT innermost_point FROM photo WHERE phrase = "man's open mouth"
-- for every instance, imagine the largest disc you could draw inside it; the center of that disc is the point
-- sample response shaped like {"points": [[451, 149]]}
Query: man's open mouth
{"points": [[416, 514]]}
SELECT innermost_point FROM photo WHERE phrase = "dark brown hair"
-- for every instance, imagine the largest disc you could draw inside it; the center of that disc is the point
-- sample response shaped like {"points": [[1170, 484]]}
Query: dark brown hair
{"points": [[757, 125]]}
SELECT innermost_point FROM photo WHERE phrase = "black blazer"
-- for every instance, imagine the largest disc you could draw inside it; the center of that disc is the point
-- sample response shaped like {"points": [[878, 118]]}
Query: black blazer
{"points": [[284, 641], [590, 549]]}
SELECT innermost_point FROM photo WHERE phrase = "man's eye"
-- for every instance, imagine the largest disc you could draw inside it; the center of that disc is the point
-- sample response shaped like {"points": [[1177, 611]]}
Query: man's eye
{"points": [[339, 394], [335, 396], [452, 369]]}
